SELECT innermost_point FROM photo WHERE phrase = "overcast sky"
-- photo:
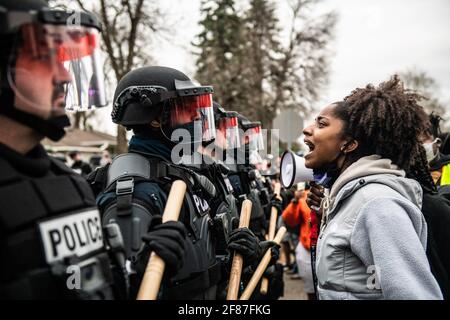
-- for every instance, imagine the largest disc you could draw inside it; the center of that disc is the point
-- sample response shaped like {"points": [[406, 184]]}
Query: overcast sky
{"points": [[374, 39], [377, 38]]}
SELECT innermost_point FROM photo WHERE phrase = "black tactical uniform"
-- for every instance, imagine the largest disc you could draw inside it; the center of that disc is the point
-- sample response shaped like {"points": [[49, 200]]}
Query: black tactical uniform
{"points": [[247, 183], [53, 229], [142, 97], [51, 240], [154, 102], [79, 166]]}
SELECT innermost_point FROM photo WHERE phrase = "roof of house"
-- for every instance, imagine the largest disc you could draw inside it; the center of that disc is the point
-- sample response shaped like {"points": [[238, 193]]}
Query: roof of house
{"points": [[76, 139]]}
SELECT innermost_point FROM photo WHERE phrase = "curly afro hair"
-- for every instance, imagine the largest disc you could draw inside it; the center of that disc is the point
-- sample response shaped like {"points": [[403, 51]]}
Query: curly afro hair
{"points": [[387, 120]]}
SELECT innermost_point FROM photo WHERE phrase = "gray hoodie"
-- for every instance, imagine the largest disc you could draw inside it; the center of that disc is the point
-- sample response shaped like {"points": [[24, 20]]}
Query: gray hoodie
{"points": [[373, 236]]}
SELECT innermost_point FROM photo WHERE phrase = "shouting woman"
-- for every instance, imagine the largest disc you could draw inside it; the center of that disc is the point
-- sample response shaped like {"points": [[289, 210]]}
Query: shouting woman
{"points": [[373, 234]]}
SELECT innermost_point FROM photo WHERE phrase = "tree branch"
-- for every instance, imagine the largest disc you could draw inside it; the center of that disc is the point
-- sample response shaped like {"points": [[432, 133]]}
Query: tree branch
{"points": [[80, 3], [106, 35], [135, 19]]}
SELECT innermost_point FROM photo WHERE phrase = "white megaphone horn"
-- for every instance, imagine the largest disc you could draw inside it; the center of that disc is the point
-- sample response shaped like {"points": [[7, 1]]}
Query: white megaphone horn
{"points": [[293, 170]]}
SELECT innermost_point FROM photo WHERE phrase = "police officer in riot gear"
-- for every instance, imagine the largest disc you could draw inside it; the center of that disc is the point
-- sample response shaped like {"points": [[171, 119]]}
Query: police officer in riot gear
{"points": [[224, 208], [52, 244], [245, 178], [248, 183], [224, 205], [154, 102], [166, 110]]}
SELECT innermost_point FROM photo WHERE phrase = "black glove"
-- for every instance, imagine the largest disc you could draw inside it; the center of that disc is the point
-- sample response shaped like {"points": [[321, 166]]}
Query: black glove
{"points": [[277, 203], [244, 242], [234, 223], [270, 272], [274, 250], [167, 240], [252, 250]]}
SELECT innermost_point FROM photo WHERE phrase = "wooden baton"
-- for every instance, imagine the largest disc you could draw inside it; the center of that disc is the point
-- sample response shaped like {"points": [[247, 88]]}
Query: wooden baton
{"points": [[236, 267], [261, 267], [155, 268], [272, 226]]}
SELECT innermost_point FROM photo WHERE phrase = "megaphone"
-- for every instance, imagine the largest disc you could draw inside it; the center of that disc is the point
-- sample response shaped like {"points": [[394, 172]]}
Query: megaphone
{"points": [[293, 170]]}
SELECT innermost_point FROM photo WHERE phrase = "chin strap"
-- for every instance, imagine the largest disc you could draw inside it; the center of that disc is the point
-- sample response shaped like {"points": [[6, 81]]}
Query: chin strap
{"points": [[52, 128]]}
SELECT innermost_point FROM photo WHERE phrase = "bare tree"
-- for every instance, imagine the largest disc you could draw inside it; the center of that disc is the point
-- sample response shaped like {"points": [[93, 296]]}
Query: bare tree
{"points": [[285, 73], [80, 120], [129, 30], [219, 51], [302, 71], [254, 69], [425, 85]]}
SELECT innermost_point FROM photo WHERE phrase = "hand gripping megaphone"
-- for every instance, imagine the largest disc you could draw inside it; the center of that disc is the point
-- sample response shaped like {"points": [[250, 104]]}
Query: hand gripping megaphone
{"points": [[293, 170]]}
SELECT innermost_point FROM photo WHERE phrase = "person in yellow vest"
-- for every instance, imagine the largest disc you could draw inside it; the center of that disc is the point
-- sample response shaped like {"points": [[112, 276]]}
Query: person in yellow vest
{"points": [[439, 163]]}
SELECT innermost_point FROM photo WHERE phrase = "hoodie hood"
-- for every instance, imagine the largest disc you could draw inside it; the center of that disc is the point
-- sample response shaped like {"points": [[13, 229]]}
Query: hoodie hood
{"points": [[372, 169]]}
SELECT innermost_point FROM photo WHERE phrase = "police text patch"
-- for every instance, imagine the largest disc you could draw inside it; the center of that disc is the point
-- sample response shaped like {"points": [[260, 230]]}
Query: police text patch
{"points": [[201, 204], [76, 234]]}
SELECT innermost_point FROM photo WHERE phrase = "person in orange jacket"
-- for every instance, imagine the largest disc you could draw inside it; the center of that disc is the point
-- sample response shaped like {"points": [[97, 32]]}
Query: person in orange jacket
{"points": [[298, 214]]}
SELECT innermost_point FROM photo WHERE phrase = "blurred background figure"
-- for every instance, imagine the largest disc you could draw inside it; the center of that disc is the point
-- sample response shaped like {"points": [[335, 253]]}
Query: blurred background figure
{"points": [[78, 165], [106, 158], [286, 248], [439, 162], [298, 215], [437, 147], [94, 161], [100, 160]]}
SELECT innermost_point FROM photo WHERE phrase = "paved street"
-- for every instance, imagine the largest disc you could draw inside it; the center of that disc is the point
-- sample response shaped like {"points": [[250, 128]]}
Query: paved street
{"points": [[293, 288]]}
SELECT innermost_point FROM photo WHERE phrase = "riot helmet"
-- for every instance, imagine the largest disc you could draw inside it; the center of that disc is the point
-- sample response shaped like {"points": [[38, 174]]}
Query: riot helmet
{"points": [[251, 138], [253, 134], [227, 129], [49, 63], [167, 100]]}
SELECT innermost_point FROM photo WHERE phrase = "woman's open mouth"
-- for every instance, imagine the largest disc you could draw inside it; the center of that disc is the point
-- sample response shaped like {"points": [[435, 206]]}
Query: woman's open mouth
{"points": [[310, 145]]}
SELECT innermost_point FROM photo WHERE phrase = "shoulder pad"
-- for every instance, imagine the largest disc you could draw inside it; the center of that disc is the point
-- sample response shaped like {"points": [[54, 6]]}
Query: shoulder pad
{"points": [[205, 183], [128, 165]]}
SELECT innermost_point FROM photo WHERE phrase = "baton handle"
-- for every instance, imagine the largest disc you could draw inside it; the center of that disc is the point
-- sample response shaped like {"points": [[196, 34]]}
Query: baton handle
{"points": [[272, 226], [261, 267], [236, 267], [155, 267]]}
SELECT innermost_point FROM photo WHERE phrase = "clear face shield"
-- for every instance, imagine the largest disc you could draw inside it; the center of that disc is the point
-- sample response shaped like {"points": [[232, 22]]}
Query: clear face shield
{"points": [[57, 68], [191, 118], [227, 136], [254, 137]]}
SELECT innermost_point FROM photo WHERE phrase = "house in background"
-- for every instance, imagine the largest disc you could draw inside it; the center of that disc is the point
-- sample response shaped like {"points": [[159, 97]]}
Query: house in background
{"points": [[90, 144]]}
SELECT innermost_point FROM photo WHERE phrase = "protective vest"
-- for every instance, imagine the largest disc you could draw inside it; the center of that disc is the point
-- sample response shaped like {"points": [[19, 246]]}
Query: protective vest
{"points": [[52, 244], [223, 205], [136, 188], [245, 181]]}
